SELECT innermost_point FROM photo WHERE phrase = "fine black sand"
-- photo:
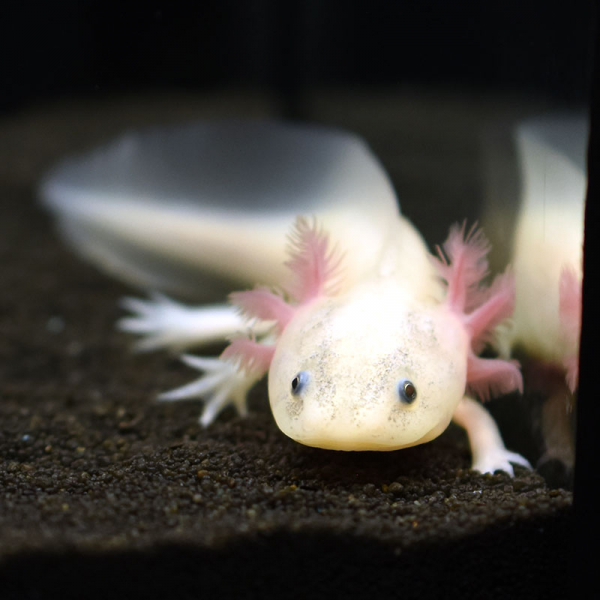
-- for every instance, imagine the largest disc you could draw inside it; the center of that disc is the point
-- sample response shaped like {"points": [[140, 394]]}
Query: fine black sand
{"points": [[105, 493]]}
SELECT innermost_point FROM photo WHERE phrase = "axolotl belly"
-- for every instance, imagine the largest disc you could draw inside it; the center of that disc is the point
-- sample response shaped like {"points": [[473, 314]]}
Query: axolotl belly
{"points": [[370, 343]]}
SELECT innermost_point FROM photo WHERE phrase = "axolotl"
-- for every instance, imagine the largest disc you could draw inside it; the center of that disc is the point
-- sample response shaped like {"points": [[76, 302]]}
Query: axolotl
{"points": [[370, 342]]}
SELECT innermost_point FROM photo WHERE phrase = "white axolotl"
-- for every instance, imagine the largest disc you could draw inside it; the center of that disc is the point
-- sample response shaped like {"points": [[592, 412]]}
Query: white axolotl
{"points": [[373, 343], [546, 253]]}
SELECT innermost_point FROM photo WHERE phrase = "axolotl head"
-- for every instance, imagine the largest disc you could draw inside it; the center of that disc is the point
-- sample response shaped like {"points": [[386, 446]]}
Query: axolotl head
{"points": [[367, 373]]}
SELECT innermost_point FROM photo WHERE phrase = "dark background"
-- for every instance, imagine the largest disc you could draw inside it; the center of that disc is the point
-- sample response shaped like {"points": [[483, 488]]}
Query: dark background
{"points": [[94, 47]]}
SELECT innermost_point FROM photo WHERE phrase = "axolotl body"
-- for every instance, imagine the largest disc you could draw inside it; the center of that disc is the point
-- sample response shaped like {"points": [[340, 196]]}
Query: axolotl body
{"points": [[371, 344]]}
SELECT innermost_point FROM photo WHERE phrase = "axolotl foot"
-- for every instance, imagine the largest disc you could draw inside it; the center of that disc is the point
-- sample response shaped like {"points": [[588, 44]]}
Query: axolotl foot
{"points": [[487, 447], [499, 459], [163, 323], [222, 384]]}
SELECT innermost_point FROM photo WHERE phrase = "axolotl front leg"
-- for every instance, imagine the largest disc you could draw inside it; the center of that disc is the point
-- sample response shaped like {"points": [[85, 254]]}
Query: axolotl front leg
{"points": [[488, 451], [163, 323]]}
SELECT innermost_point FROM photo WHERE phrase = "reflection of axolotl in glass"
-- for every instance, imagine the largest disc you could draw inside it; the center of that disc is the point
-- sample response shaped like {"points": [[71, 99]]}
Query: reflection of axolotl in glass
{"points": [[374, 343], [543, 238]]}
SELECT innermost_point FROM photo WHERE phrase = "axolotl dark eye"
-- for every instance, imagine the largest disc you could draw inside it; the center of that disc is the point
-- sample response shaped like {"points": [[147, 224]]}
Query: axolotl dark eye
{"points": [[407, 391], [299, 382]]}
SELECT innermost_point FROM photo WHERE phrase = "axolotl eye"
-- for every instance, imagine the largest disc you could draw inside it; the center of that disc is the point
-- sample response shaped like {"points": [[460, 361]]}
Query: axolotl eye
{"points": [[299, 382], [407, 391]]}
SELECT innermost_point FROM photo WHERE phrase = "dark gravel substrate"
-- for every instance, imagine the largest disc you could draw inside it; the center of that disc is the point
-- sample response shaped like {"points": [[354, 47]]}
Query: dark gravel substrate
{"points": [[107, 494]]}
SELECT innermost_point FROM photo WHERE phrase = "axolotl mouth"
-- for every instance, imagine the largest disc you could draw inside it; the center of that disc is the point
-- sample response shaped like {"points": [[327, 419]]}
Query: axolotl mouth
{"points": [[384, 437], [350, 445]]}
